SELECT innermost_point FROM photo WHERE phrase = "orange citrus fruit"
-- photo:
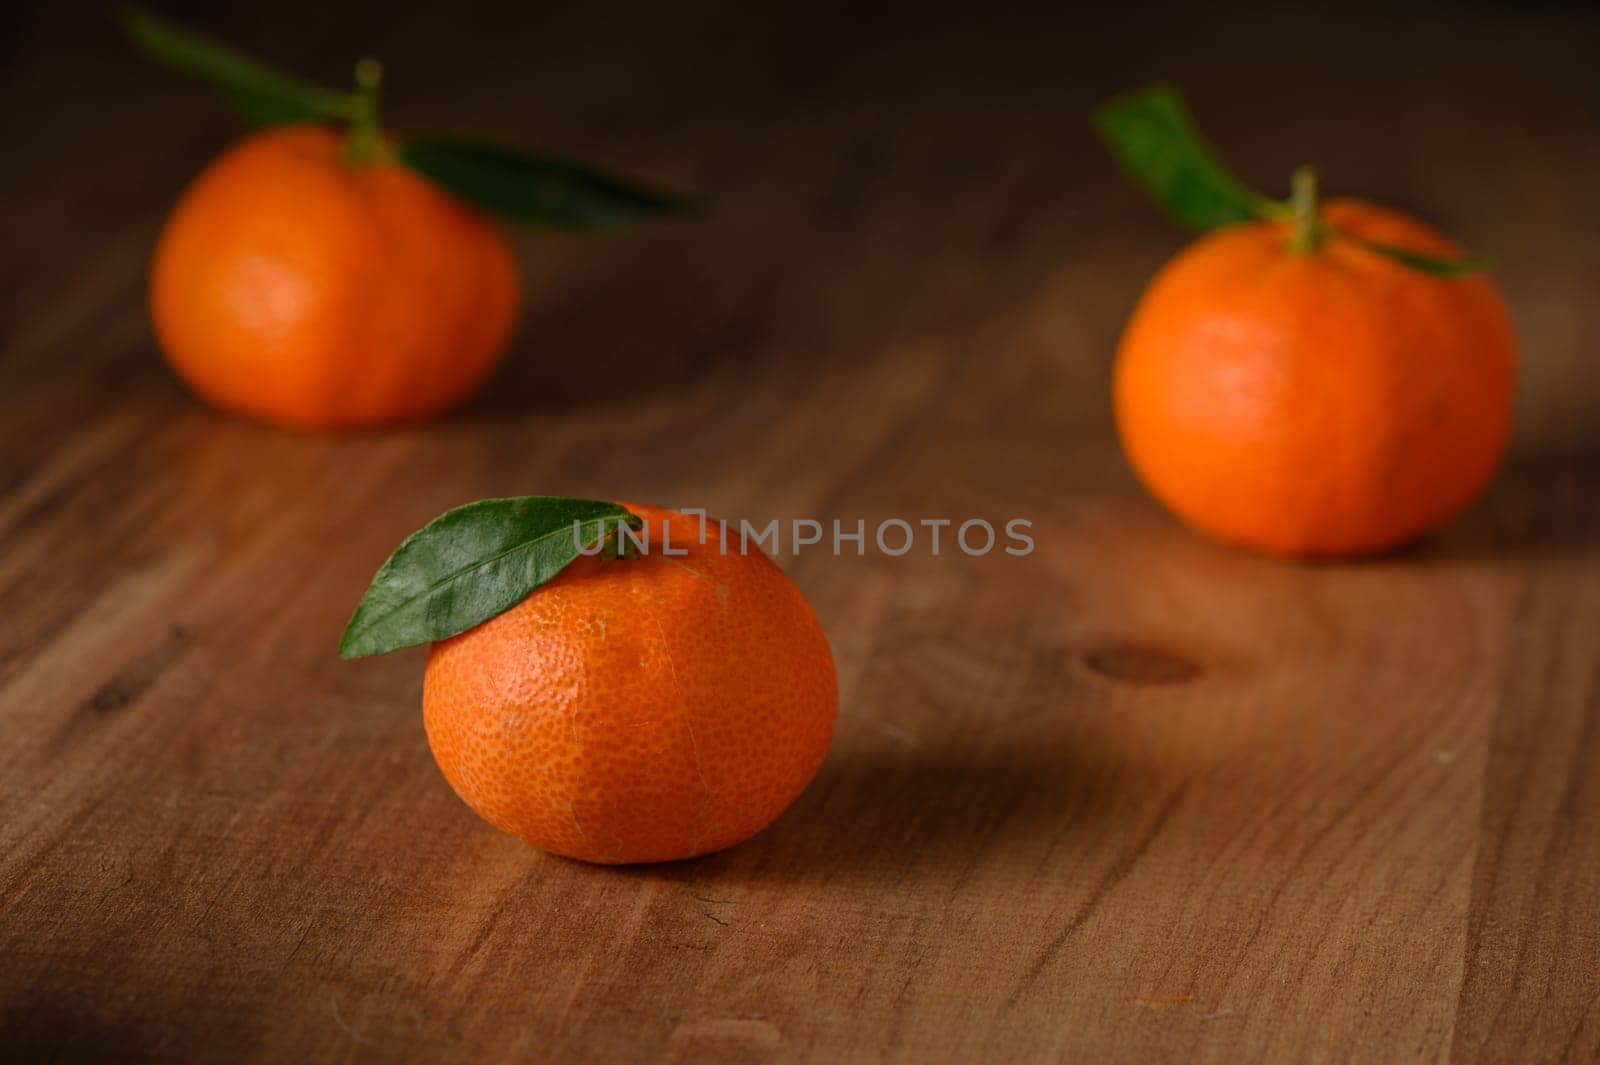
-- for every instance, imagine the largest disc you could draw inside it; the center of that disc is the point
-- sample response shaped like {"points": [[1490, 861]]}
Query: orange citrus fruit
{"points": [[1321, 403], [295, 287], [640, 710]]}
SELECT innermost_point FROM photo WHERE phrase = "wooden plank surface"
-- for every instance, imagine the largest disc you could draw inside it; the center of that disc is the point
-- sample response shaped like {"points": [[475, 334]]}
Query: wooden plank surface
{"points": [[1135, 797]]}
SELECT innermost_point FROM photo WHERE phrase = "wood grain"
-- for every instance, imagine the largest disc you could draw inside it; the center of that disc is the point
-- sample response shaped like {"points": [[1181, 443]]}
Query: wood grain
{"points": [[1135, 797]]}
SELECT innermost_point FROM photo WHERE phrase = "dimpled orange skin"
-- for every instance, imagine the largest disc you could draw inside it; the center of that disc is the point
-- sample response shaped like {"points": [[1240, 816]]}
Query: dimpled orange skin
{"points": [[641, 710], [294, 288], [1329, 403]]}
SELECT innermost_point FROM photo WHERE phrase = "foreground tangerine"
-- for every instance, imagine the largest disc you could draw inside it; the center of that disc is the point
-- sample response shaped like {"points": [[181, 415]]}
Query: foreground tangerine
{"points": [[642, 710]]}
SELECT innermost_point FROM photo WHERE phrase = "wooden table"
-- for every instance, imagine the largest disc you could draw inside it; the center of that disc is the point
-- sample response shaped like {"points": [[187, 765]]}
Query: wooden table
{"points": [[1136, 797]]}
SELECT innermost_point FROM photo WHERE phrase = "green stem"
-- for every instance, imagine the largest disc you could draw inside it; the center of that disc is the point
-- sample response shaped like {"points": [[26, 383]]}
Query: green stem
{"points": [[1308, 232], [364, 143]]}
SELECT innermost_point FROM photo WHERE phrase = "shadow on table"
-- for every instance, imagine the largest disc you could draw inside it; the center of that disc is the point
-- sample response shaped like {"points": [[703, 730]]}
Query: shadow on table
{"points": [[636, 318], [1542, 505], [582, 353], [892, 813]]}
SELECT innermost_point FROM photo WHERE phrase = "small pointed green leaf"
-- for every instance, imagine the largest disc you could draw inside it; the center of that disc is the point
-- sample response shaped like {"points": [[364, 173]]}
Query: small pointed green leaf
{"points": [[262, 94], [471, 564], [1153, 136], [1428, 264], [523, 187]]}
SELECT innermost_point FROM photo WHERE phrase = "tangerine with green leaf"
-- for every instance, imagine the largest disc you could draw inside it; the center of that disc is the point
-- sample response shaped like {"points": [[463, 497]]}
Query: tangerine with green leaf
{"points": [[622, 706], [321, 274], [1306, 378], [294, 286]]}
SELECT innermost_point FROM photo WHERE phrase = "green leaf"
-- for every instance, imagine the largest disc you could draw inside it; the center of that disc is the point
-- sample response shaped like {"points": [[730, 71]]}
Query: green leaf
{"points": [[1151, 133], [264, 95], [520, 186], [1428, 264], [471, 564], [1156, 140]]}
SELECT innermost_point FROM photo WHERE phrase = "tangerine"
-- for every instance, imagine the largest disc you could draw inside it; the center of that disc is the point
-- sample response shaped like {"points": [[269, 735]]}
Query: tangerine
{"points": [[1328, 402], [293, 285], [644, 710]]}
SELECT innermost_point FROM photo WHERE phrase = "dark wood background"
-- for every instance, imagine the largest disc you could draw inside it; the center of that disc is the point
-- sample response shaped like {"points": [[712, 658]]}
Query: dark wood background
{"points": [[1136, 797]]}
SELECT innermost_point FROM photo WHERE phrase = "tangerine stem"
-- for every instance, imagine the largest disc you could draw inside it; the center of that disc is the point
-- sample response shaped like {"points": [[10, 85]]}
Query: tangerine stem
{"points": [[1308, 232], [364, 143]]}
